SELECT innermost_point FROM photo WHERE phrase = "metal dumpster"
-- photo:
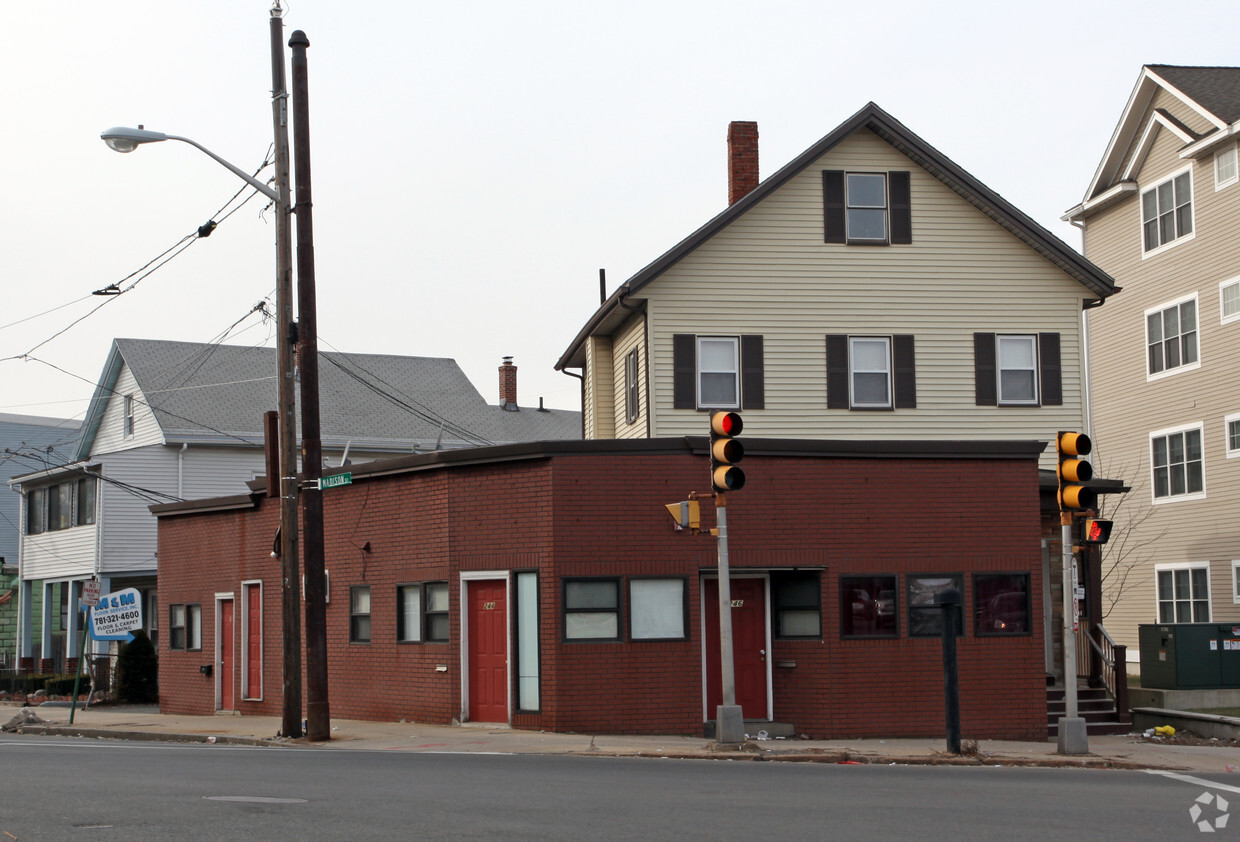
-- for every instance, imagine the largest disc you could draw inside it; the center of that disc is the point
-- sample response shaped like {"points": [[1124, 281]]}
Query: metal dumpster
{"points": [[1190, 656]]}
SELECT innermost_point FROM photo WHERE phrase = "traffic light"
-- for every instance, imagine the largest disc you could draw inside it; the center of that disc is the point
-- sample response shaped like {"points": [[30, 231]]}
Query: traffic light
{"points": [[1095, 531], [726, 451], [1073, 471]]}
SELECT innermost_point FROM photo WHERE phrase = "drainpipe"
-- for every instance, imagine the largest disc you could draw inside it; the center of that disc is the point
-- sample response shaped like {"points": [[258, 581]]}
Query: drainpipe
{"points": [[181, 469]]}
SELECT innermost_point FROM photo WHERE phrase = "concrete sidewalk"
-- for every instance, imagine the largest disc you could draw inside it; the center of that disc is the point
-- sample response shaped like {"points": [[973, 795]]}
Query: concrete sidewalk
{"points": [[147, 723]]}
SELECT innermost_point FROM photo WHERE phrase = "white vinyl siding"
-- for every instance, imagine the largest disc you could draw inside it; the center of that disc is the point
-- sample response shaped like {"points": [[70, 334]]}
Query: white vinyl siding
{"points": [[770, 274], [111, 436]]}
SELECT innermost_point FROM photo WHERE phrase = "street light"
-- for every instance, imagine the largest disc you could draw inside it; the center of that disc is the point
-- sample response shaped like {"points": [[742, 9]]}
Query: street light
{"points": [[124, 139], [285, 484]]}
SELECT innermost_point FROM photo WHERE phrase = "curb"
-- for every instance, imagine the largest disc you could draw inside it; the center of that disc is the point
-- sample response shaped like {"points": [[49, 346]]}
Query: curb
{"points": [[149, 736]]}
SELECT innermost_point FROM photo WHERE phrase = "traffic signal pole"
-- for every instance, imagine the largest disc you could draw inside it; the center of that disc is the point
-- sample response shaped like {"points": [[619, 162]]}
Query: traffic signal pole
{"points": [[1073, 734], [729, 720]]}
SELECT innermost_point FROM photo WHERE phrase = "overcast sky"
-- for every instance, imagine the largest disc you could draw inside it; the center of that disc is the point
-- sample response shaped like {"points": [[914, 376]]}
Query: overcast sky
{"points": [[476, 163]]}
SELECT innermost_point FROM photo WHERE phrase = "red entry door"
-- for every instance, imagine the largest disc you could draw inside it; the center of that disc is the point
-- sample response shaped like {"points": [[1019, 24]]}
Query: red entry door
{"points": [[488, 651], [748, 646], [225, 676]]}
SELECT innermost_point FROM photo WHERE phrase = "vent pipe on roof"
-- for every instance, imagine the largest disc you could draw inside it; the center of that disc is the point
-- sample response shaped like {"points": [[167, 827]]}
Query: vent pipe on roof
{"points": [[602, 286], [742, 159]]}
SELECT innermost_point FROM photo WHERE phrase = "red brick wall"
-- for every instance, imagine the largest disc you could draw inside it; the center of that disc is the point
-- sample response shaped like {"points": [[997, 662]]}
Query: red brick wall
{"points": [[602, 514]]}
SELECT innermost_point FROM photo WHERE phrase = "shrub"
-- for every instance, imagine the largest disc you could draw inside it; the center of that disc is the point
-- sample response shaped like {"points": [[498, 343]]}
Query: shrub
{"points": [[137, 671]]}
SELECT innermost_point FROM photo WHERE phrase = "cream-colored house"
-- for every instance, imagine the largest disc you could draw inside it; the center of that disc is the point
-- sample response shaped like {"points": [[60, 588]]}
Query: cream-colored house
{"points": [[871, 288], [1161, 215]]}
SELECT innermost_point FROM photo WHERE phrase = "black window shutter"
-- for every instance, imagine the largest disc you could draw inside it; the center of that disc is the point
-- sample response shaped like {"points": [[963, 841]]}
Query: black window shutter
{"points": [[833, 205], [684, 371], [905, 365], [984, 384], [752, 376], [837, 371], [901, 208], [1051, 372]]}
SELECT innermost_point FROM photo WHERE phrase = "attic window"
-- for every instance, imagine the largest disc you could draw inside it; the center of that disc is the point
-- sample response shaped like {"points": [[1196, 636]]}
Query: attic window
{"points": [[127, 422], [1167, 211], [867, 208]]}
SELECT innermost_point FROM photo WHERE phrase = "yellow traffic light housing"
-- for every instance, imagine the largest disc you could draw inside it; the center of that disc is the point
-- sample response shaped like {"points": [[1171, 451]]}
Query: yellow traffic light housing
{"points": [[726, 451], [687, 514], [1072, 472]]}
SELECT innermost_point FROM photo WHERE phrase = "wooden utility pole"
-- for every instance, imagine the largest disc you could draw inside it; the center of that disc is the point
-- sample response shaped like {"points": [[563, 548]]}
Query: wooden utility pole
{"points": [[318, 709], [286, 477]]}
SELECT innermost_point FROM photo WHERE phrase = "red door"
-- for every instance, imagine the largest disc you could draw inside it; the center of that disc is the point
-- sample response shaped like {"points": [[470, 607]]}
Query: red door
{"points": [[225, 677], [488, 651], [748, 646], [254, 642]]}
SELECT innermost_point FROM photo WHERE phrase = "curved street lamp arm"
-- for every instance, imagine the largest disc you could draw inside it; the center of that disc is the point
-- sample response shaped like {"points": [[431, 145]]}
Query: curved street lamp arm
{"points": [[240, 173]]}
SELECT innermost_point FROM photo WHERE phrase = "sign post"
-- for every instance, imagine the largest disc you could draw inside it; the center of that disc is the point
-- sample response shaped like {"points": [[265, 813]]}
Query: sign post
{"points": [[90, 598]]}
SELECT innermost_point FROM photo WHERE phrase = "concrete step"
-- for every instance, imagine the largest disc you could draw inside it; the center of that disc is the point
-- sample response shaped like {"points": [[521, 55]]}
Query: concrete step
{"points": [[753, 726]]}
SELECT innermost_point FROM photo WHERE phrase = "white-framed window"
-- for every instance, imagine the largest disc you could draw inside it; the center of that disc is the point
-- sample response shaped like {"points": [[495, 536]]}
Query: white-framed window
{"points": [[869, 370], [1231, 435], [127, 423], [359, 614], [1017, 368], [1235, 582], [1225, 170], [1183, 592], [1177, 463], [1229, 300], [1167, 212], [866, 207], [719, 372], [632, 406], [1171, 338], [657, 609]]}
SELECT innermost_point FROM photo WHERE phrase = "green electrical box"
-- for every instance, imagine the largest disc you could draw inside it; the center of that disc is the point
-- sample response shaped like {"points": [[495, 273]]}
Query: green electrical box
{"points": [[1190, 656]]}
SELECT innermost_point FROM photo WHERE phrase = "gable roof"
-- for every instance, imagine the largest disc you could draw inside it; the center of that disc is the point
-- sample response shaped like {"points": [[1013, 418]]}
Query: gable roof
{"points": [[217, 394], [1213, 93], [878, 121]]}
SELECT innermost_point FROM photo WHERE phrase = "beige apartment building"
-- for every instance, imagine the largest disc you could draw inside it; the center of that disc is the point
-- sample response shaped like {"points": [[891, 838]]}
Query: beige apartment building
{"points": [[1161, 216]]}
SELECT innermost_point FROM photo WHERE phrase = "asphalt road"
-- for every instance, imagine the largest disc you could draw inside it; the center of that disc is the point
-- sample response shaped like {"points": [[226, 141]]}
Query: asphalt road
{"points": [[81, 789]]}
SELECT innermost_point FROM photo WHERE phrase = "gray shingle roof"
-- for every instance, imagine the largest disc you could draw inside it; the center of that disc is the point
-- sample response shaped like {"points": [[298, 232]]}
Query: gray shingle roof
{"points": [[377, 401], [1217, 89]]}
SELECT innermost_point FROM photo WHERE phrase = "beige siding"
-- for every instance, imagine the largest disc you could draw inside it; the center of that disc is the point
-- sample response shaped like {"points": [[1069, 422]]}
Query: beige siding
{"points": [[110, 437], [599, 399], [1127, 406], [629, 337], [770, 273]]}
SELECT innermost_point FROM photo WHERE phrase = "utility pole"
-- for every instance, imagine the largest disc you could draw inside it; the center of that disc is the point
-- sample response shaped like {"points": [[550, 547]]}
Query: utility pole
{"points": [[318, 709], [286, 391]]}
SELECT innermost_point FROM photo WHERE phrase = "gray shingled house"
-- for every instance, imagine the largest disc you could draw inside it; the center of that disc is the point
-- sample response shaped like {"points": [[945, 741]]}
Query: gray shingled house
{"points": [[176, 421]]}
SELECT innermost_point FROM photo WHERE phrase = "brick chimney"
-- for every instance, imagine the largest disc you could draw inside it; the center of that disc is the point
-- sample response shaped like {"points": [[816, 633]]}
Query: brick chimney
{"points": [[508, 385], [742, 159]]}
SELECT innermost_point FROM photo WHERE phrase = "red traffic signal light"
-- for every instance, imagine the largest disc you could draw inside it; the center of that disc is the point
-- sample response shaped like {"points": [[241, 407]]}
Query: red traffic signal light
{"points": [[725, 451], [1096, 531], [1073, 471]]}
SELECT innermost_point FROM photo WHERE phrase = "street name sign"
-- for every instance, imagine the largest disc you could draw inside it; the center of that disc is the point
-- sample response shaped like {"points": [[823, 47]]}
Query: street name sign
{"points": [[335, 481]]}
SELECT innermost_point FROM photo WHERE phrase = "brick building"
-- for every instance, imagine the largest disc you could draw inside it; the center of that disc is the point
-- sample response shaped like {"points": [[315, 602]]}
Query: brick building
{"points": [[543, 585]]}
